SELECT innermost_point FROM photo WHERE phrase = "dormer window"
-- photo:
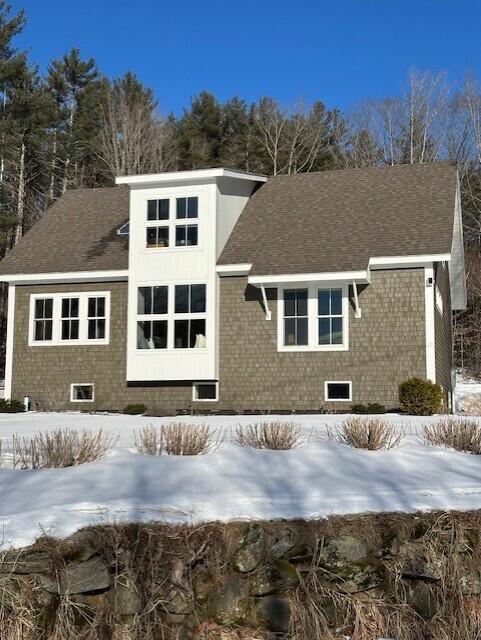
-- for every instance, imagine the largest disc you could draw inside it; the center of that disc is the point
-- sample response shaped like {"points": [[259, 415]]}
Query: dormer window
{"points": [[163, 229]]}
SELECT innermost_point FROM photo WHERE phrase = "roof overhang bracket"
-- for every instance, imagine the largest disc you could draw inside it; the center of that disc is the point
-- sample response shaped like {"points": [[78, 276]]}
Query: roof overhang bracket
{"points": [[266, 303], [357, 308]]}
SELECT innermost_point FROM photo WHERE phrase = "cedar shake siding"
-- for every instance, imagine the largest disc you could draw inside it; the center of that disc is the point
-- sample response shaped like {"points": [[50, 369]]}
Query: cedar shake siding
{"points": [[46, 372], [443, 331], [386, 346]]}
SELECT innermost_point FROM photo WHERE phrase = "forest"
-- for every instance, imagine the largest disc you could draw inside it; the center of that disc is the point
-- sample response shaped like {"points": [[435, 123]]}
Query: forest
{"points": [[73, 127]]}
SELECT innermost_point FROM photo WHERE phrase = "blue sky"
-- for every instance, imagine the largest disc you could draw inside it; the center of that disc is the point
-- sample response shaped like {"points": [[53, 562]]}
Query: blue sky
{"points": [[338, 51]]}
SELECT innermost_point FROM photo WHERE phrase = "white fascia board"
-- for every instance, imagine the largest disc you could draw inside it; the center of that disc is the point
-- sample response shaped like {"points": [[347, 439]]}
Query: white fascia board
{"points": [[457, 270], [359, 276], [199, 175], [233, 269], [72, 276], [399, 262]]}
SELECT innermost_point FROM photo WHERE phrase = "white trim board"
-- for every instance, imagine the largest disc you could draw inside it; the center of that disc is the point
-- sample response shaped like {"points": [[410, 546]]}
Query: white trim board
{"points": [[429, 324], [9, 343], [359, 276], [61, 278], [349, 382], [197, 175]]}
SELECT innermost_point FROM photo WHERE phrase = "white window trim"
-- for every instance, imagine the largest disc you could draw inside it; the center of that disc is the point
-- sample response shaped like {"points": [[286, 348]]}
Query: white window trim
{"points": [[172, 222], [194, 392], [313, 337], [170, 317], [82, 384], [328, 382], [57, 319]]}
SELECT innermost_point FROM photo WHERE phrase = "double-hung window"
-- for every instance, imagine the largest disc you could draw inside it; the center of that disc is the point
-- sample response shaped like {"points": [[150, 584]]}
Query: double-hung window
{"points": [[296, 322], [96, 318], [165, 229], [313, 318], [330, 317], [43, 319], [152, 324], [190, 318], [70, 319]]}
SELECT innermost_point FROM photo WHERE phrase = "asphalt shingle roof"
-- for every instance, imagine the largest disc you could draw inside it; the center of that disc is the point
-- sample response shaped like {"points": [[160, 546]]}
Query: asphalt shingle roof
{"points": [[336, 220]]}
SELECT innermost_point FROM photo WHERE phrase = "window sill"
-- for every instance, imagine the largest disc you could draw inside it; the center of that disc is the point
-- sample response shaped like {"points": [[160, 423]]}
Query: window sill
{"points": [[171, 351], [68, 343], [154, 249], [308, 348]]}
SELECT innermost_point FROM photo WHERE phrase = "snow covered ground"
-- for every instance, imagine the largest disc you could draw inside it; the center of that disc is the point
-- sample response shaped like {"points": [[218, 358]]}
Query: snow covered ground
{"points": [[318, 479]]}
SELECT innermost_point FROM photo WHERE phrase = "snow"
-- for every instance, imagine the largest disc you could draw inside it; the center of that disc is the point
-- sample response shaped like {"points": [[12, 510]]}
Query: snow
{"points": [[316, 480], [466, 389]]}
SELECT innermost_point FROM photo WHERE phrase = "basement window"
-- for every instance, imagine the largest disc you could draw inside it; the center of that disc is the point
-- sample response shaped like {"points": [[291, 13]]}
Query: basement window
{"points": [[338, 391], [81, 392], [205, 391]]}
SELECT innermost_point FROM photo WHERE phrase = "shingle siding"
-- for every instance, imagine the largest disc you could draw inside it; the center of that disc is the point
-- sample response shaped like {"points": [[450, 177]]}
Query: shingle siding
{"points": [[386, 345]]}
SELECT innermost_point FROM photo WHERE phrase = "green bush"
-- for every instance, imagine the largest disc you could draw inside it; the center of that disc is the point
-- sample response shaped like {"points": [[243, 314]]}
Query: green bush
{"points": [[11, 406], [372, 407], [135, 409], [420, 397]]}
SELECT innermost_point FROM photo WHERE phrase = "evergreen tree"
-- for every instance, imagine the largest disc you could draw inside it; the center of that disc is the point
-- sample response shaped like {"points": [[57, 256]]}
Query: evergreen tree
{"points": [[200, 133]]}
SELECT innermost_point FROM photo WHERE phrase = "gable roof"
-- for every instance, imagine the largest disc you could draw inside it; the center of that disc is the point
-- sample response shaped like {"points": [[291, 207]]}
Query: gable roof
{"points": [[331, 221], [78, 233]]}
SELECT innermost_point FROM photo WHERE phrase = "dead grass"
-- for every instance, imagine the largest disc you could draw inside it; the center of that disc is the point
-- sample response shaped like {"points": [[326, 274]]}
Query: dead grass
{"points": [[366, 433], [59, 448], [472, 406], [177, 439], [276, 435], [461, 434]]}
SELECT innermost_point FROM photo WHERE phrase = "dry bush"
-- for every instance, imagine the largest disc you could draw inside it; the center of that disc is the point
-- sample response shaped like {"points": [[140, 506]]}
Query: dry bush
{"points": [[472, 406], [177, 439], [59, 448], [269, 435], [456, 433], [366, 433]]}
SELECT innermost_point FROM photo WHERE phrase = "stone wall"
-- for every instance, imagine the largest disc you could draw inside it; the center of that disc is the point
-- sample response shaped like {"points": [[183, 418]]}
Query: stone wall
{"points": [[389, 575]]}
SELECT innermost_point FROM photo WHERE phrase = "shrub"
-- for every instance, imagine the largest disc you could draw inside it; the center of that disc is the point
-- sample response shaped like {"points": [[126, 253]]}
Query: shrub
{"points": [[366, 433], [11, 406], [420, 397], [135, 409], [60, 448], [456, 433], [177, 439], [269, 435], [372, 407]]}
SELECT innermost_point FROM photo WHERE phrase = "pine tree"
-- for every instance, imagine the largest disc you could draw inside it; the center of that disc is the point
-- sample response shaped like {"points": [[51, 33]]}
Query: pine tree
{"points": [[200, 133]]}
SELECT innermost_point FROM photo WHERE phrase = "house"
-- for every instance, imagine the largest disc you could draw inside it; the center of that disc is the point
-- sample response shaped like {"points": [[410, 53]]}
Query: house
{"points": [[218, 290]]}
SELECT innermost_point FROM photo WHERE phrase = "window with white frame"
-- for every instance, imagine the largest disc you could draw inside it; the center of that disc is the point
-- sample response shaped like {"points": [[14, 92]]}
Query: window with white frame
{"points": [[66, 318], [190, 319], [164, 230], [330, 316], [43, 319], [313, 318], [152, 324], [70, 319], [296, 321], [81, 392], [205, 391], [96, 318], [338, 391]]}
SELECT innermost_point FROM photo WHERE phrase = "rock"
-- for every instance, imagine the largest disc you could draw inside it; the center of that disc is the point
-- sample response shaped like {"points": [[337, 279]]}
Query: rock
{"points": [[82, 546], [202, 581], [284, 541], [470, 582], [341, 551], [251, 550], [422, 600], [82, 577], [416, 561], [33, 561], [273, 613], [230, 604], [276, 577], [126, 600]]}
